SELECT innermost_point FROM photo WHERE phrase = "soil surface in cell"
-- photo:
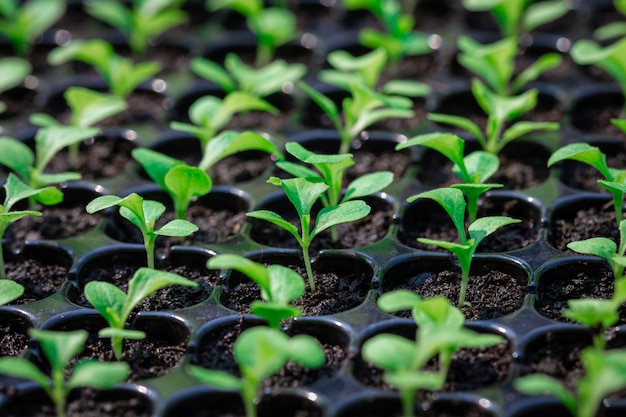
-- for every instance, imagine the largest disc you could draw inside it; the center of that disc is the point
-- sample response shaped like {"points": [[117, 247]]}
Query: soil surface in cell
{"points": [[584, 224], [40, 280]]}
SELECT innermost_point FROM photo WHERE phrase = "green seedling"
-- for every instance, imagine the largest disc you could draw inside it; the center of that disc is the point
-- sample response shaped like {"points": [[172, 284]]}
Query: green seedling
{"points": [[143, 214], [272, 26], [611, 58], [22, 22], [361, 109], [614, 179], [440, 333], [115, 306], [140, 21], [259, 82], [14, 71], [279, 286], [59, 348], [500, 110], [303, 193], [332, 168], [398, 37], [614, 29], [10, 291], [87, 108], [598, 315], [519, 17], [494, 64], [209, 115], [605, 372], [120, 74], [260, 352], [368, 68], [15, 191], [452, 201], [473, 170]]}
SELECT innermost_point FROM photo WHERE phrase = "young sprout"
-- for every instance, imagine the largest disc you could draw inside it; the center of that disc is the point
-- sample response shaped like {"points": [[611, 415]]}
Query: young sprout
{"points": [[611, 58], [440, 333], [14, 71], [115, 306], [613, 29], [15, 191], [362, 109], [494, 64], [272, 26], [260, 352], [452, 201], [500, 110], [303, 193], [21, 22], [143, 214], [473, 170], [59, 348], [140, 21], [517, 18], [605, 372], [332, 168], [120, 74], [614, 179], [279, 286], [10, 291], [398, 37], [259, 82]]}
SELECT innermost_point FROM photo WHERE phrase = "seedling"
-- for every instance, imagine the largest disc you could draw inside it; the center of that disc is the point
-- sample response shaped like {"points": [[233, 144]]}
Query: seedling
{"points": [[115, 306], [440, 333], [260, 352], [398, 38], [143, 214], [272, 26], [494, 64], [614, 29], [362, 109], [605, 372], [259, 82], [614, 179], [59, 348], [473, 170], [279, 286], [10, 291], [500, 110], [303, 193], [140, 21], [332, 168], [516, 18], [120, 74], [22, 22], [452, 201], [14, 71], [611, 58]]}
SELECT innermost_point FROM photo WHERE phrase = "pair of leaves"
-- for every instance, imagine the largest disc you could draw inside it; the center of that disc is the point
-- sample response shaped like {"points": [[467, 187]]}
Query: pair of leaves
{"points": [[23, 22]]}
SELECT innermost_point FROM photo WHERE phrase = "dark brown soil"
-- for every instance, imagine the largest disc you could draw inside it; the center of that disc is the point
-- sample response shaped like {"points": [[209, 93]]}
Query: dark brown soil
{"points": [[584, 177], [584, 224], [490, 295], [593, 113], [40, 280], [366, 162], [13, 338], [172, 297], [55, 223]]}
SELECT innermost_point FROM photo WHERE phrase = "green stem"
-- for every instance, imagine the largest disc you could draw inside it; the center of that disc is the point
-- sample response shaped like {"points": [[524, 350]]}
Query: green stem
{"points": [[116, 344], [309, 269], [149, 244], [599, 341], [472, 206], [73, 151], [57, 393], [464, 281], [618, 202], [248, 395], [408, 402]]}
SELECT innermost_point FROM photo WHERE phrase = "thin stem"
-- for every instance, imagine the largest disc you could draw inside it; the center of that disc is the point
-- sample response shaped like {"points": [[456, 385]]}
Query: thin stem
{"points": [[408, 402], [309, 269], [149, 244], [57, 393], [464, 281], [248, 395], [116, 344], [599, 341]]}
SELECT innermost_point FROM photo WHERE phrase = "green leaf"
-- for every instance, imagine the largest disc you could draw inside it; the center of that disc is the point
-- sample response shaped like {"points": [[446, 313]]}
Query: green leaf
{"points": [[522, 128], [285, 284], [22, 368], [389, 352], [484, 226], [534, 71], [409, 380], [108, 300], [398, 300], [480, 166], [99, 375], [276, 219], [9, 291], [584, 153], [260, 352], [306, 351], [112, 13], [60, 347], [121, 333], [14, 70], [177, 228], [452, 201], [457, 121], [213, 378], [229, 143], [16, 190], [592, 312], [156, 164], [343, 213], [102, 203], [16, 156], [325, 103], [599, 246], [368, 184], [303, 192], [212, 71], [90, 107], [406, 88], [543, 12], [184, 183], [449, 145], [540, 384], [256, 271], [50, 140]]}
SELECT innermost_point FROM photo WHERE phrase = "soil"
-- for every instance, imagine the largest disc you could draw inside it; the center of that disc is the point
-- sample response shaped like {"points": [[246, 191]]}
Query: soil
{"points": [[593, 114], [13, 338], [55, 223], [172, 297], [366, 162], [40, 280], [584, 177], [584, 224]]}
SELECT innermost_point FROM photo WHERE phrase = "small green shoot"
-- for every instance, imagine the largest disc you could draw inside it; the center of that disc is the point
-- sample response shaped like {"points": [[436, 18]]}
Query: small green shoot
{"points": [[303, 193], [500, 110], [143, 214], [605, 372], [10, 291], [517, 18], [452, 201], [279, 286], [14, 70], [614, 179], [362, 109], [115, 306], [141, 21], [59, 348], [611, 58], [260, 352], [440, 333], [15, 191], [615, 29], [22, 22], [473, 170], [120, 74]]}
